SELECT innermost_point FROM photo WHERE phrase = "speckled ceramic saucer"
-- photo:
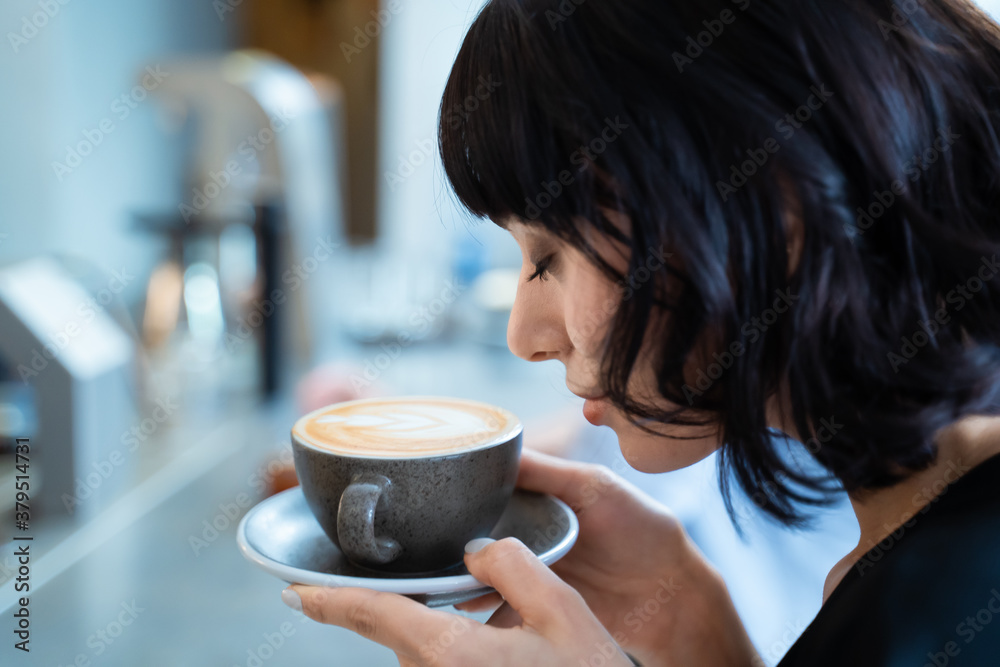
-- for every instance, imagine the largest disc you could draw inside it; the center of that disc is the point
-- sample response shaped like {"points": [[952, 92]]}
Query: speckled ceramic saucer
{"points": [[281, 536]]}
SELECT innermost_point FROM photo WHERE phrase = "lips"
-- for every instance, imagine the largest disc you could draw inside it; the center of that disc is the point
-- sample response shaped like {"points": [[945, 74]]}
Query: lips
{"points": [[594, 405]]}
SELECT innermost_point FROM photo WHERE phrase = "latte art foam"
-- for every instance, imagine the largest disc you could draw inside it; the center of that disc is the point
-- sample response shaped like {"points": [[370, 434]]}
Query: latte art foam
{"points": [[406, 426]]}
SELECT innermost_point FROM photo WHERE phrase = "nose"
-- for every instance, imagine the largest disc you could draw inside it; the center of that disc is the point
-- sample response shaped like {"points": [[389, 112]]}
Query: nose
{"points": [[536, 330]]}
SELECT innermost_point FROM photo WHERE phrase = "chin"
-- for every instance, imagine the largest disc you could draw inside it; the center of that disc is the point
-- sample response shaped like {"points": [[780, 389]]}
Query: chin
{"points": [[652, 454]]}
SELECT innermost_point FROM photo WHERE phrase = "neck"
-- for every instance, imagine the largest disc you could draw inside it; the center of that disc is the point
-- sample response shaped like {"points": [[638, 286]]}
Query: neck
{"points": [[884, 512]]}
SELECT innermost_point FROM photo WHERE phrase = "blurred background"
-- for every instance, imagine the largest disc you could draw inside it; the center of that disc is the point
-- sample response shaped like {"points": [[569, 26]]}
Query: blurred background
{"points": [[218, 215]]}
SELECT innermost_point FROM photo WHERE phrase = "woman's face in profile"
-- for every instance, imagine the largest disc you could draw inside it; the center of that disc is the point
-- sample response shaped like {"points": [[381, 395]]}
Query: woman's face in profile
{"points": [[564, 314]]}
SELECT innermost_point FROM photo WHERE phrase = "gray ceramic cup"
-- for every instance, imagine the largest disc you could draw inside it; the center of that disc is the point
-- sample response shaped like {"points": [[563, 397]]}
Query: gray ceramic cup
{"points": [[401, 484]]}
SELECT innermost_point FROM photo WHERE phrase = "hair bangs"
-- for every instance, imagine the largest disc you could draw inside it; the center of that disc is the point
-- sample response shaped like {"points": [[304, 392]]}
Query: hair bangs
{"points": [[503, 152]]}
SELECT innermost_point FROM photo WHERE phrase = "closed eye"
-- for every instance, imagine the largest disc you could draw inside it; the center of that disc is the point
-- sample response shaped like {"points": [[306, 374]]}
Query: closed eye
{"points": [[541, 268]]}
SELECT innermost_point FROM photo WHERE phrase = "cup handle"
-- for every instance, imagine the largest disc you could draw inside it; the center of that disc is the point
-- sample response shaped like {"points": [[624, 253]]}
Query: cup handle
{"points": [[356, 522]]}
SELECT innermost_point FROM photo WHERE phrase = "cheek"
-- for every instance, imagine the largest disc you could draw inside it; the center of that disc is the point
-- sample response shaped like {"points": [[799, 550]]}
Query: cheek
{"points": [[586, 328], [590, 306]]}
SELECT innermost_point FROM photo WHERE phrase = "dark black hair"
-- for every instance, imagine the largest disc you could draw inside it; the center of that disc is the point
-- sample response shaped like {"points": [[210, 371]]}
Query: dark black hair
{"points": [[710, 124]]}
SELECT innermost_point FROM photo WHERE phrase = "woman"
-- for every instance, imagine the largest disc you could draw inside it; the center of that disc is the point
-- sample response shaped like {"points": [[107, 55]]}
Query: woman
{"points": [[765, 228]]}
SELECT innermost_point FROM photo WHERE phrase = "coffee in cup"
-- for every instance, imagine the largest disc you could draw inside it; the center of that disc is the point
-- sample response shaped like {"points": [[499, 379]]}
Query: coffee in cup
{"points": [[401, 484]]}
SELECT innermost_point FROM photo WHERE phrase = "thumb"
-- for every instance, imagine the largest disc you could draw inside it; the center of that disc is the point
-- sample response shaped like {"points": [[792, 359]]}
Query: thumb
{"points": [[536, 593]]}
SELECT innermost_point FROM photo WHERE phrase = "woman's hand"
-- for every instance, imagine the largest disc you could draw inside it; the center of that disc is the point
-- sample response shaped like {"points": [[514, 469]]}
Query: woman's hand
{"points": [[553, 625], [637, 570], [632, 581]]}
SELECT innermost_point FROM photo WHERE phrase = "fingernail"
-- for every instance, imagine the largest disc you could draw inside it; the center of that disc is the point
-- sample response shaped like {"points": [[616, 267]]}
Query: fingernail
{"points": [[475, 545], [292, 599]]}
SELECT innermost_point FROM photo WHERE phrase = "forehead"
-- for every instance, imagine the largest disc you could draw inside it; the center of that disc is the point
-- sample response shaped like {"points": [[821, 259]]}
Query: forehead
{"points": [[519, 229]]}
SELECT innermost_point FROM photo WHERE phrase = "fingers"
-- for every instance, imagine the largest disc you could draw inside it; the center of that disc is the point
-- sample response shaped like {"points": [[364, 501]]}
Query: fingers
{"points": [[505, 617], [399, 623], [481, 603], [543, 600], [577, 484]]}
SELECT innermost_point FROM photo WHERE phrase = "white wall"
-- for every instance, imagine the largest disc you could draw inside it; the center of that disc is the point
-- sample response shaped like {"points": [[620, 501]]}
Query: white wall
{"points": [[420, 215], [991, 6]]}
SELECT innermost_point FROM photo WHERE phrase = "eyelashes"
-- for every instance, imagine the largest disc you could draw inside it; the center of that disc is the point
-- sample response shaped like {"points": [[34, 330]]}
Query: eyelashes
{"points": [[541, 268]]}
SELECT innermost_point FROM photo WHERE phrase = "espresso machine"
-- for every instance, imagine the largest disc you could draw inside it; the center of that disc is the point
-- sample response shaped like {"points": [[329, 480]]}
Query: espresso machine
{"points": [[258, 228]]}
